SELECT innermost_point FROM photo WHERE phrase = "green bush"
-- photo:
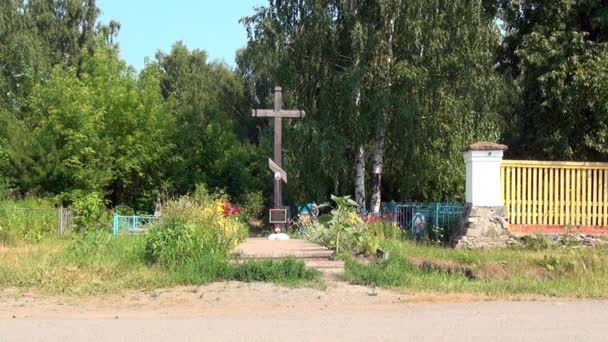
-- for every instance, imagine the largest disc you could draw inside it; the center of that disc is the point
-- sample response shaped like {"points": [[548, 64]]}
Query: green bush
{"points": [[191, 228], [386, 229], [5, 189], [89, 211], [345, 232], [253, 205]]}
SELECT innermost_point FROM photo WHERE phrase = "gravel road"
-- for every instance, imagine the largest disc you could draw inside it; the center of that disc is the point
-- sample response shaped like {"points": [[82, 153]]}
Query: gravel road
{"points": [[261, 312]]}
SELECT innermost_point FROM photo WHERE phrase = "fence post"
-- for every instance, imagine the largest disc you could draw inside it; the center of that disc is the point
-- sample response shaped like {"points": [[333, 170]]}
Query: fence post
{"points": [[436, 215], [115, 225], [60, 223]]}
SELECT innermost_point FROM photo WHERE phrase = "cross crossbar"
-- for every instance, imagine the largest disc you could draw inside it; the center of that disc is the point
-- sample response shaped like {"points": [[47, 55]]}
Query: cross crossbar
{"points": [[278, 114], [266, 113]]}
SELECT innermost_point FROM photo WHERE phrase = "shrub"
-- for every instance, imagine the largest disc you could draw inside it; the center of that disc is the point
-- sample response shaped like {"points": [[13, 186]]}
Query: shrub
{"points": [[345, 231], [5, 189], [192, 227], [254, 205], [386, 229], [89, 211]]}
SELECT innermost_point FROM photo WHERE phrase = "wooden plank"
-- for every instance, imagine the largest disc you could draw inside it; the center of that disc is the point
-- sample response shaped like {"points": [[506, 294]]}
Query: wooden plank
{"points": [[589, 198], [561, 205], [583, 197], [578, 192], [545, 196], [567, 206], [554, 164], [526, 196], [506, 184], [276, 168], [534, 196], [519, 206], [594, 215], [541, 202], [502, 187], [605, 199], [550, 209], [267, 113], [513, 213], [572, 197], [600, 198]]}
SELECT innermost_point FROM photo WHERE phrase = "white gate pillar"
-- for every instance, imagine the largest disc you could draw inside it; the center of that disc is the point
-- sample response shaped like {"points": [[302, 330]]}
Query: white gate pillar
{"points": [[485, 223], [483, 174]]}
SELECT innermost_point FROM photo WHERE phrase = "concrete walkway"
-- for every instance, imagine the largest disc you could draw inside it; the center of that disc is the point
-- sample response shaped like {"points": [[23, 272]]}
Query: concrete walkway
{"points": [[312, 254]]}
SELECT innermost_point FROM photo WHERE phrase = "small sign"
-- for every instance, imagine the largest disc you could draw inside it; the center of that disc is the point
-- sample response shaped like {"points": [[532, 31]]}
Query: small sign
{"points": [[277, 169], [278, 216]]}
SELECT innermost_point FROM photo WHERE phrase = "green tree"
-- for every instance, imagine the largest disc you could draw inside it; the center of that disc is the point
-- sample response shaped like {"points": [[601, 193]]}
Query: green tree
{"points": [[556, 54], [414, 79], [105, 131], [207, 98]]}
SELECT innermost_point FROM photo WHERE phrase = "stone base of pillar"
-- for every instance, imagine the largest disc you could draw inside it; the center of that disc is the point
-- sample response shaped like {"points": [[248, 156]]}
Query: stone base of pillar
{"points": [[483, 227], [279, 236]]}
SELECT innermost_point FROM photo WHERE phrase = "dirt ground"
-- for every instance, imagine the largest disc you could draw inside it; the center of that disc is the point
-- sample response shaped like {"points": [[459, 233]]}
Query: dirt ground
{"points": [[214, 300], [263, 312]]}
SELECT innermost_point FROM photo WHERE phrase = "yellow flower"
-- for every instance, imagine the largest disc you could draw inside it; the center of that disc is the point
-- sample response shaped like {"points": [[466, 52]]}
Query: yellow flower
{"points": [[219, 207], [352, 218]]}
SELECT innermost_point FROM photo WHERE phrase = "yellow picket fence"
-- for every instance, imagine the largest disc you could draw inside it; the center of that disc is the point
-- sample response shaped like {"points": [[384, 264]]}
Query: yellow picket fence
{"points": [[568, 194]]}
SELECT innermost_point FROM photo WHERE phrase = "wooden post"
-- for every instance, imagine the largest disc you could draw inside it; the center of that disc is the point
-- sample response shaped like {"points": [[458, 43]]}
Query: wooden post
{"points": [[278, 149], [278, 114]]}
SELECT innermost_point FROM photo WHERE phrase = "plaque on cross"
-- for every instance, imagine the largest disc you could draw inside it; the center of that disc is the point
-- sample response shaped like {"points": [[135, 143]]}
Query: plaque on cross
{"points": [[278, 113]]}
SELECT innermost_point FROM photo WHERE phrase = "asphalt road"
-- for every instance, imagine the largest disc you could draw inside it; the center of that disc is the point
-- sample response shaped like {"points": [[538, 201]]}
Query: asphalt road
{"points": [[477, 321]]}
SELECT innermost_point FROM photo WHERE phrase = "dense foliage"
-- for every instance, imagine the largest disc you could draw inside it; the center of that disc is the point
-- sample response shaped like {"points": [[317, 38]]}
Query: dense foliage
{"points": [[190, 228], [348, 232], [393, 91]]}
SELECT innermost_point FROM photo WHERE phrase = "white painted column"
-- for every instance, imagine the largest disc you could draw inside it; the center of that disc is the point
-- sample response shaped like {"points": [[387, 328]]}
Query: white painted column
{"points": [[483, 174]]}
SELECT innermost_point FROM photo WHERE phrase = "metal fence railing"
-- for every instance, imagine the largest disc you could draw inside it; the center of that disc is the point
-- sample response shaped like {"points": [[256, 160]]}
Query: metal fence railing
{"points": [[136, 224], [426, 219]]}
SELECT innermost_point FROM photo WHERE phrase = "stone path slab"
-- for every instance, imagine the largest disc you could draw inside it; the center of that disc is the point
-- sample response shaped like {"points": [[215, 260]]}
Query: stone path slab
{"points": [[312, 254]]}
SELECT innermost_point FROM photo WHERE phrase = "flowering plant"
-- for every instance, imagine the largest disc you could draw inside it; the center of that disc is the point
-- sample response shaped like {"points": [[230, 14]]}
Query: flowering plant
{"points": [[194, 226]]}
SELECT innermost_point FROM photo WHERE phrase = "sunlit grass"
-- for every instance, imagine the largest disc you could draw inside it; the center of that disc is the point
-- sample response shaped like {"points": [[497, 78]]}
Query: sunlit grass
{"points": [[63, 266], [563, 272]]}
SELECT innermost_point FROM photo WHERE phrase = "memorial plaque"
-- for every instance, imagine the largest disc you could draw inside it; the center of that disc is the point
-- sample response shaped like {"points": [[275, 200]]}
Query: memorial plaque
{"points": [[278, 216]]}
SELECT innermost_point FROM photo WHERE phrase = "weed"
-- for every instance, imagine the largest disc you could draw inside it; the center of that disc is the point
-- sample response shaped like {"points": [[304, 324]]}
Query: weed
{"points": [[289, 271], [570, 272]]}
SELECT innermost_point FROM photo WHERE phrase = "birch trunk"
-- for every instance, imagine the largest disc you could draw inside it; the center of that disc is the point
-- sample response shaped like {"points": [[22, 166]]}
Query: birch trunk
{"points": [[360, 179], [377, 163], [378, 156], [360, 196]]}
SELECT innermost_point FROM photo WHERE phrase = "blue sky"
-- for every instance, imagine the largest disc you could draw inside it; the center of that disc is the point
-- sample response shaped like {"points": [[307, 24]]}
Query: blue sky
{"points": [[147, 26]]}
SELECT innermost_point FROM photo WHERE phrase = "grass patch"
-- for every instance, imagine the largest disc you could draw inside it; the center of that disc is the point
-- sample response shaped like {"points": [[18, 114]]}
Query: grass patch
{"points": [[98, 264], [289, 271], [560, 272]]}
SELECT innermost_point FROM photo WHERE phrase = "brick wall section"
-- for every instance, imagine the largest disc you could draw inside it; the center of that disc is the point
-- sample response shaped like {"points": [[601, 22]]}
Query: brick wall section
{"points": [[529, 229]]}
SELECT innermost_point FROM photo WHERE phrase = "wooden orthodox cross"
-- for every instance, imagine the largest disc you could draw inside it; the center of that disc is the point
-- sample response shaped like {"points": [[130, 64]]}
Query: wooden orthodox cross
{"points": [[278, 114]]}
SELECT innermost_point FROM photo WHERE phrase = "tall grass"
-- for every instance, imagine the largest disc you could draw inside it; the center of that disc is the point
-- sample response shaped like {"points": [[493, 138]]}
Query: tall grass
{"points": [[96, 263], [29, 219], [564, 272]]}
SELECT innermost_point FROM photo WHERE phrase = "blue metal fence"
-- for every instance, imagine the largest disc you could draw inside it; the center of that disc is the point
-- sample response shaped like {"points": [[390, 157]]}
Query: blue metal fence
{"points": [[433, 220], [131, 224]]}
